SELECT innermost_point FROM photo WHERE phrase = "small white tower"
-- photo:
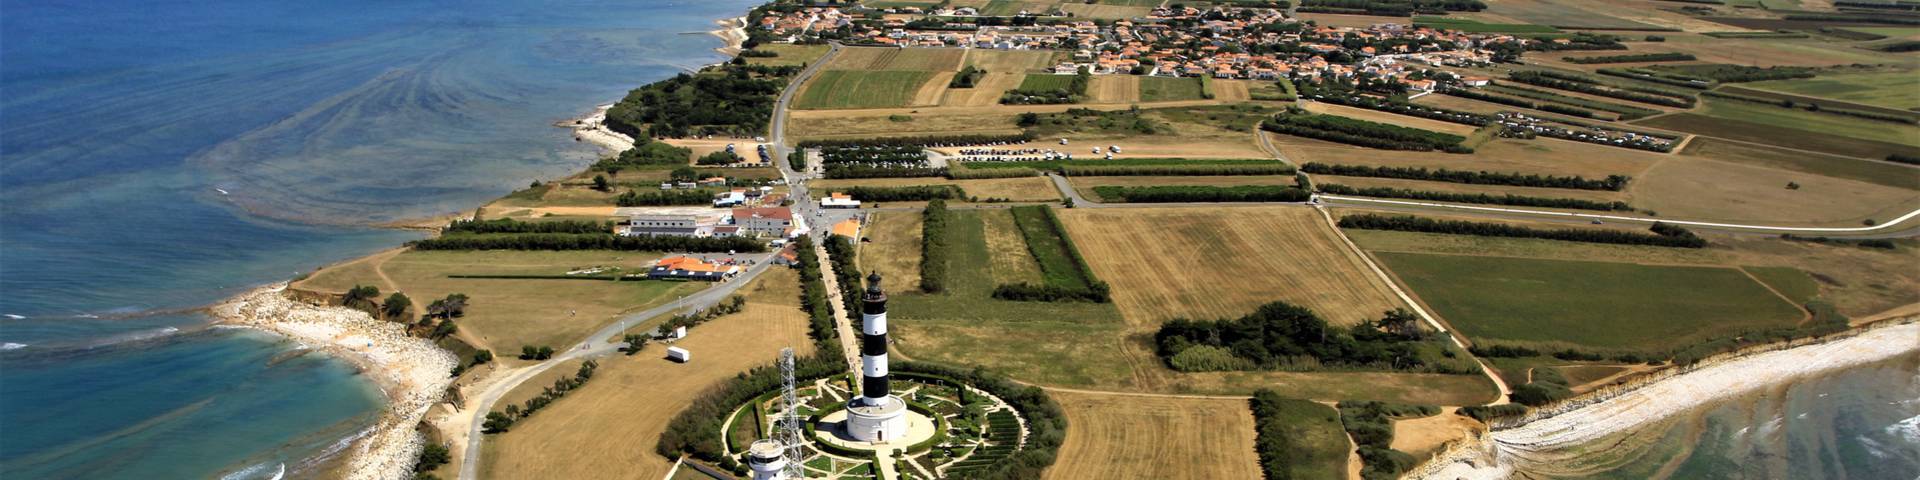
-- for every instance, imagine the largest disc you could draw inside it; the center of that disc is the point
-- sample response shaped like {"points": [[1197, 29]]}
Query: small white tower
{"points": [[768, 459]]}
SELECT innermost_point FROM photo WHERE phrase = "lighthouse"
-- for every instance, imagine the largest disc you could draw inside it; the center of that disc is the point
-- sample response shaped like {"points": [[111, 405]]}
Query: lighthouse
{"points": [[876, 415]]}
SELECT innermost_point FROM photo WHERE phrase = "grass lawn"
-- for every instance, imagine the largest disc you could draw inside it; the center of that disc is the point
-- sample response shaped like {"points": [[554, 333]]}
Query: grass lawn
{"points": [[1164, 89], [1791, 282], [1320, 444], [505, 314], [1046, 81], [1589, 305], [1048, 249], [790, 54], [862, 89], [1899, 90], [631, 398]]}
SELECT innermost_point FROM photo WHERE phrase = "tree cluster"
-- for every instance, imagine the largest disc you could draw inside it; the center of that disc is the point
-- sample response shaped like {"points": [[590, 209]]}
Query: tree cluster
{"points": [[1363, 133], [967, 77], [645, 153], [564, 241], [657, 198], [1370, 424], [905, 194], [1075, 91], [863, 171], [1611, 183], [1280, 335], [1251, 168], [1201, 193], [1481, 198], [508, 225], [732, 102], [934, 248], [923, 141]]}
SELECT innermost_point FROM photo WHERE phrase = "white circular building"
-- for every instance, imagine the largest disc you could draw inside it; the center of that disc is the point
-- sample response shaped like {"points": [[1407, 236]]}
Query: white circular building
{"points": [[768, 459], [876, 415]]}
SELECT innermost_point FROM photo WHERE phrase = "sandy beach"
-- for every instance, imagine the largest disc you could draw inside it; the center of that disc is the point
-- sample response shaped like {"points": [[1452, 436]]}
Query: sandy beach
{"points": [[593, 129], [1557, 436], [411, 371], [734, 32]]}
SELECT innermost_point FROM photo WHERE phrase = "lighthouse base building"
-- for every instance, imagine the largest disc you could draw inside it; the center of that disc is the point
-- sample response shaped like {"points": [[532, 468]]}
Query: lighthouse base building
{"points": [[876, 415]]}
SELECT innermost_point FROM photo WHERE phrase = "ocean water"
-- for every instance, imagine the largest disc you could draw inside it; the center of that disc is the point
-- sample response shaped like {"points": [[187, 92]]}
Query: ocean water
{"points": [[159, 155], [1858, 424]]}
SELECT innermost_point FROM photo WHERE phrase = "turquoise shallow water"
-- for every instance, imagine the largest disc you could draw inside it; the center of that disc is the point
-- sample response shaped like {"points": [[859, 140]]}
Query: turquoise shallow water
{"points": [[123, 121]]}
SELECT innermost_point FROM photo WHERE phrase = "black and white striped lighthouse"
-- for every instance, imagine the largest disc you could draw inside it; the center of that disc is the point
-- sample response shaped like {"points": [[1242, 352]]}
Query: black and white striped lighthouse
{"points": [[875, 415], [874, 390]]}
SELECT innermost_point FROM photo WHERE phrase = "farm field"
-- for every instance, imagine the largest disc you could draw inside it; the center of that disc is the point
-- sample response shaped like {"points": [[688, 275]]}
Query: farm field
{"points": [[1002, 234], [863, 89], [1791, 282], [1018, 189], [1085, 185], [810, 127], [1424, 436], [1046, 81], [1107, 12], [790, 54], [1009, 61], [1245, 257], [1471, 26], [1883, 274], [1874, 172], [633, 397], [1763, 52], [1556, 13], [1898, 90], [1116, 436], [1544, 156], [505, 314], [1553, 304], [1011, 7], [1236, 90], [1701, 189], [1113, 89], [1772, 125], [1164, 89], [985, 92], [904, 59], [1367, 182]]}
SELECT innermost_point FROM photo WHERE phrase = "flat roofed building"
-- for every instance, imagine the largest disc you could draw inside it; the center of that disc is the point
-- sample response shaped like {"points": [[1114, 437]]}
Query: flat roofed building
{"points": [[763, 221], [676, 225]]}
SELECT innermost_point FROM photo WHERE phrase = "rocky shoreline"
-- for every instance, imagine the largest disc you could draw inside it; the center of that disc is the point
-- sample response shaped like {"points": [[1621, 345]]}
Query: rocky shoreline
{"points": [[412, 372]]}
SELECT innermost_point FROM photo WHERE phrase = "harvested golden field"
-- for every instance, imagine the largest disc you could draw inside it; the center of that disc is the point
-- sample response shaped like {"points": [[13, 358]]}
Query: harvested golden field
{"points": [[1424, 436], [1365, 182], [1389, 118], [1113, 89], [1811, 52], [1544, 156], [890, 58], [1233, 90], [1700, 189], [631, 399], [1115, 436], [1167, 263], [1085, 185], [505, 314], [1876, 172], [931, 92], [1009, 61], [985, 92], [1018, 189], [894, 252], [884, 125], [789, 54]]}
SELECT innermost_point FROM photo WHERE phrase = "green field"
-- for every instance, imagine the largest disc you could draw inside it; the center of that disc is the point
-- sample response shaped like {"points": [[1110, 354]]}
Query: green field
{"points": [[1795, 284], [1164, 89], [1601, 306], [1132, 3], [1899, 90], [1317, 443], [1046, 81], [1471, 26], [1791, 128], [790, 54], [861, 89], [1048, 248], [1002, 8]]}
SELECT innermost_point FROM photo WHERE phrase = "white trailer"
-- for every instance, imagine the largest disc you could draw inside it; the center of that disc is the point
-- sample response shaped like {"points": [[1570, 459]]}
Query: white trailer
{"points": [[679, 354]]}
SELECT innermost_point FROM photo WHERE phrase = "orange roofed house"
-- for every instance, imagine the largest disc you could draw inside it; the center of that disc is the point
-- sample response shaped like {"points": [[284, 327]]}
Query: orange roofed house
{"points": [[683, 267]]}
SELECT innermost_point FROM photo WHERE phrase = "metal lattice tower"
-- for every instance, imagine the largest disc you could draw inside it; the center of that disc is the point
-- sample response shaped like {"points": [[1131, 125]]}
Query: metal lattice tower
{"points": [[789, 432]]}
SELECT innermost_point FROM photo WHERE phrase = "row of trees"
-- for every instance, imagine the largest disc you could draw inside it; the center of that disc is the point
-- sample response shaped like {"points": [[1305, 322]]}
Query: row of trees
{"points": [[1612, 182], [905, 194], [1275, 439], [934, 246], [1363, 133], [565, 241], [1255, 167], [657, 198], [1816, 107], [923, 141], [508, 225], [1731, 73], [1519, 102], [863, 171], [1398, 106], [1626, 112], [846, 274], [1481, 198], [1638, 58], [1391, 8], [498, 422], [1592, 86], [873, 155], [1280, 335], [1201, 193], [1665, 78]]}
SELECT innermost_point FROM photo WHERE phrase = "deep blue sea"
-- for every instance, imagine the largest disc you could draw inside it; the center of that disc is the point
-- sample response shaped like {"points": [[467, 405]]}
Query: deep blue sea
{"points": [[122, 123]]}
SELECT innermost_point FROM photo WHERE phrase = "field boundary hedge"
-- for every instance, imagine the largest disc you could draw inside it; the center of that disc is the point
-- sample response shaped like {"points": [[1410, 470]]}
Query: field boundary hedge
{"points": [[1673, 236]]}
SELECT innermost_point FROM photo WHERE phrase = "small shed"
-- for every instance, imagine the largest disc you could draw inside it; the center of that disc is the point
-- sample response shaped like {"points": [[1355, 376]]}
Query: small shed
{"points": [[679, 354]]}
